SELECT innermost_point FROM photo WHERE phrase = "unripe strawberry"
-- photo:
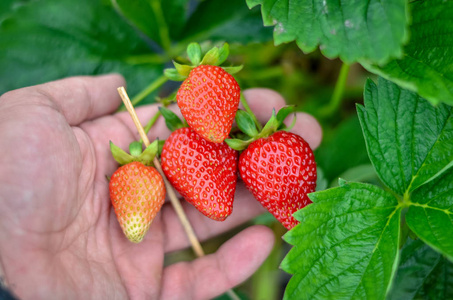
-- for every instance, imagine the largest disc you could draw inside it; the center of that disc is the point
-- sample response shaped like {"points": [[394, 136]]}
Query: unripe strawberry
{"points": [[137, 193]]}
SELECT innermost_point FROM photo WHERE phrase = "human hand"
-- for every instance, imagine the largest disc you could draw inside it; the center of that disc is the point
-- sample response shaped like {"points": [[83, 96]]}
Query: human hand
{"points": [[59, 237]]}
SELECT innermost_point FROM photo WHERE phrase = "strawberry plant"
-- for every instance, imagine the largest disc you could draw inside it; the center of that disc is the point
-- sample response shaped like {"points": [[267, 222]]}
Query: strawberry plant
{"points": [[378, 75]]}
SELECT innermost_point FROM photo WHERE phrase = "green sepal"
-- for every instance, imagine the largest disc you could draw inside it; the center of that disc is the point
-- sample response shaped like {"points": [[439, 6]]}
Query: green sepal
{"points": [[135, 148], [237, 144], [233, 70], [245, 123], [148, 155], [160, 144], [271, 126], [183, 70], [223, 54], [173, 74], [211, 57], [194, 53], [284, 112], [121, 156], [172, 120]]}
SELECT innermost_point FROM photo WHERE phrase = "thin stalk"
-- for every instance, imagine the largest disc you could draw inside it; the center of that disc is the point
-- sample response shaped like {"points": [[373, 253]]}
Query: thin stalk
{"points": [[338, 92], [164, 33], [148, 90], [249, 110], [196, 246]]}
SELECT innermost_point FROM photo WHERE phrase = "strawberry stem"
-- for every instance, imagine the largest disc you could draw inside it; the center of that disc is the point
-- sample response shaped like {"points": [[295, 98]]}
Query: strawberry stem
{"points": [[338, 92], [196, 246], [249, 110]]}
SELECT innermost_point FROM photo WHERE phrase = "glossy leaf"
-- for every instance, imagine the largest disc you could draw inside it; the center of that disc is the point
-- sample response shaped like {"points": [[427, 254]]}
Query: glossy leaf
{"points": [[346, 246], [47, 40], [357, 30], [160, 20], [409, 141], [219, 20], [430, 214], [427, 64], [418, 263]]}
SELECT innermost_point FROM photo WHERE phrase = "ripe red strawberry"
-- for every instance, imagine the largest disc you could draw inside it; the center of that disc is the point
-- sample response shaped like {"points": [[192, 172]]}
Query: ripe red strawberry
{"points": [[204, 173], [209, 99], [137, 193], [280, 171]]}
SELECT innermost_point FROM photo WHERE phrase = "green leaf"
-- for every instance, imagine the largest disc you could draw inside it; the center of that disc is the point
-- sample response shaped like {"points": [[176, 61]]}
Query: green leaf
{"points": [[121, 156], [346, 246], [430, 214], [194, 53], [224, 52], [233, 70], [219, 20], [418, 262], [358, 30], [148, 155], [172, 120], [183, 70], [174, 75], [211, 57], [245, 123], [284, 112], [439, 284], [427, 64], [237, 144], [46, 40], [160, 20], [409, 141]]}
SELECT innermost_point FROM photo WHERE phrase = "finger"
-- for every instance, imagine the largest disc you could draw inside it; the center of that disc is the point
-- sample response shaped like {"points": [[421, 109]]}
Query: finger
{"points": [[212, 275], [245, 208], [262, 101], [80, 98]]}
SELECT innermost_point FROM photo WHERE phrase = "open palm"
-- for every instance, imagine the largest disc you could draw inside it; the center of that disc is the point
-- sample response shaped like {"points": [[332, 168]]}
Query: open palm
{"points": [[59, 237]]}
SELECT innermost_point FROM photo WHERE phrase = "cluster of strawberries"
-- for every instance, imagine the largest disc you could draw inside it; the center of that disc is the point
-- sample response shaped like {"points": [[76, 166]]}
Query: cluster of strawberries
{"points": [[203, 164]]}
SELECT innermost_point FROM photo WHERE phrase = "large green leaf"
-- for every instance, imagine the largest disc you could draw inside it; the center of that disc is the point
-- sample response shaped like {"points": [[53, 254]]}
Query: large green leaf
{"points": [[219, 20], [430, 214], [51, 39], [418, 261], [439, 284], [427, 64], [346, 246], [409, 141], [355, 30], [160, 20]]}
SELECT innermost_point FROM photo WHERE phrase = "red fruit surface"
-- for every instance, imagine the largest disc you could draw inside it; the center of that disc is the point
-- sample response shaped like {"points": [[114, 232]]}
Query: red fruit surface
{"points": [[137, 193], [208, 100], [280, 171], [204, 173]]}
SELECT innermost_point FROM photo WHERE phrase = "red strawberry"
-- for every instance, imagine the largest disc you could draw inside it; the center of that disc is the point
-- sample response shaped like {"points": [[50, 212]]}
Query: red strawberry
{"points": [[137, 193], [280, 171], [204, 173], [209, 99]]}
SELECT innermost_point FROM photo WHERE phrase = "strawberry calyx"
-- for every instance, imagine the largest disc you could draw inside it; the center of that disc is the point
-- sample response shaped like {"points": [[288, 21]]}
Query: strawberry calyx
{"points": [[214, 56], [246, 124], [146, 156]]}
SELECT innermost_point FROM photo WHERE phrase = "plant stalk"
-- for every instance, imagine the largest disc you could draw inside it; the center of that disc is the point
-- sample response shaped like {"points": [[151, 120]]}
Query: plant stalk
{"points": [[196, 246], [338, 92], [249, 110]]}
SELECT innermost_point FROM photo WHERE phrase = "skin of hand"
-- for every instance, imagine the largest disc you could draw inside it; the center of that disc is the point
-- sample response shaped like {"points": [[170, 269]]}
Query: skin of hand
{"points": [[59, 237]]}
